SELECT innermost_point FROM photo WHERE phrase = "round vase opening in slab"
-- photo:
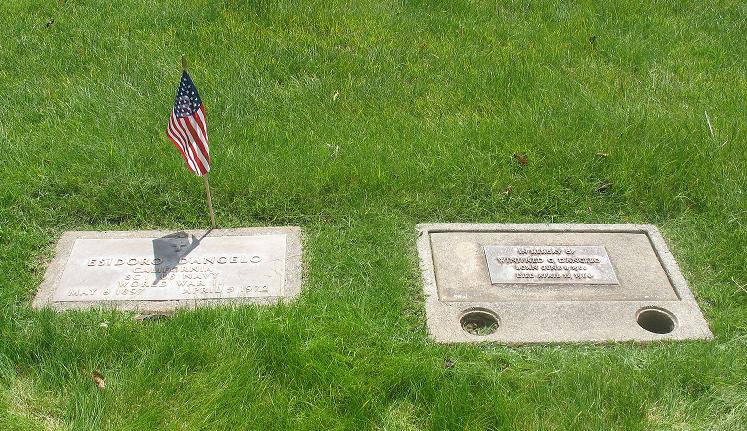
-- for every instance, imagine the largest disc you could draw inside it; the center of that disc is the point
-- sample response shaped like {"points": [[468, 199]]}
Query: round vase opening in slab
{"points": [[479, 321], [656, 320]]}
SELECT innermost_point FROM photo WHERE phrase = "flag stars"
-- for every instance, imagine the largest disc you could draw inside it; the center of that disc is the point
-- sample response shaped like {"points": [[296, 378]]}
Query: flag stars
{"points": [[187, 99], [190, 139]]}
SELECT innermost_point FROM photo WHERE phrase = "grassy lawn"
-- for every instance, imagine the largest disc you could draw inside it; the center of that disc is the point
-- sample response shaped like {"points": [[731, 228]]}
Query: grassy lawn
{"points": [[356, 120]]}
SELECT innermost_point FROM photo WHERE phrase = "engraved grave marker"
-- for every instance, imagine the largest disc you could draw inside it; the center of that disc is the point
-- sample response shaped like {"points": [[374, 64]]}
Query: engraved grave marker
{"points": [[158, 271], [554, 283]]}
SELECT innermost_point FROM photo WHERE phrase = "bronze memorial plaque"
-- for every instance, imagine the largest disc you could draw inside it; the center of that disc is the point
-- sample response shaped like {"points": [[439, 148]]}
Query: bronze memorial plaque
{"points": [[549, 264]]}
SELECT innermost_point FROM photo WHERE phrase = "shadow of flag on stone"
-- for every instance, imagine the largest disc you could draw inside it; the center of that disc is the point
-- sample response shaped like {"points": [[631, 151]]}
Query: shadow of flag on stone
{"points": [[169, 250]]}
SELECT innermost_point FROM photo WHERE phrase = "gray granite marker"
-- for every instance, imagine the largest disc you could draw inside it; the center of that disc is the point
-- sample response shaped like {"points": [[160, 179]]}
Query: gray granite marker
{"points": [[160, 271], [533, 283]]}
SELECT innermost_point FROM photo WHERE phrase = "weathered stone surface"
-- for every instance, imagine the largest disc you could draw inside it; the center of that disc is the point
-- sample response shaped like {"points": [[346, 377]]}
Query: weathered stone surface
{"points": [[156, 271], [554, 283]]}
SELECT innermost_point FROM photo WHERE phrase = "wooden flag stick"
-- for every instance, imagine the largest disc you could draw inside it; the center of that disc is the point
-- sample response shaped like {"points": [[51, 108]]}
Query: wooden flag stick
{"points": [[210, 200], [204, 177]]}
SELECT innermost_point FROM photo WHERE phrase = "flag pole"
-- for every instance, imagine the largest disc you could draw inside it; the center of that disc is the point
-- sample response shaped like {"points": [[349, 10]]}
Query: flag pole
{"points": [[210, 200], [204, 177]]}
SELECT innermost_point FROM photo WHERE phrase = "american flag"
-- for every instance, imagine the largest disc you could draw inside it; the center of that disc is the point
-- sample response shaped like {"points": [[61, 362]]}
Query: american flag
{"points": [[187, 128]]}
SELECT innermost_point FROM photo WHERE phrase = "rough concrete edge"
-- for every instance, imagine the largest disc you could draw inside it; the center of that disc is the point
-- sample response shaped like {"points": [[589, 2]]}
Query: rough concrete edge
{"points": [[293, 263], [533, 227], [435, 308], [672, 268], [293, 274], [667, 261], [695, 330], [44, 292], [432, 304]]}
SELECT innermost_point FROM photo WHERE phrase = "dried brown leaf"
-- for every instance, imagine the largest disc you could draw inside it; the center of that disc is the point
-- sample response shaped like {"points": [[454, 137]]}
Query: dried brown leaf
{"points": [[522, 159], [603, 155], [508, 190], [604, 187], [98, 378]]}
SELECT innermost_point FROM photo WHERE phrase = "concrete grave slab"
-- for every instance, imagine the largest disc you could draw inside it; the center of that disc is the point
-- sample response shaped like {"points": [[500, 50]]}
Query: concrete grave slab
{"points": [[536, 283], [161, 271]]}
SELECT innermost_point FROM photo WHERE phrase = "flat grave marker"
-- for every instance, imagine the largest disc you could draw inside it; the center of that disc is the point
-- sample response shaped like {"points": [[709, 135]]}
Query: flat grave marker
{"points": [[530, 283], [160, 271]]}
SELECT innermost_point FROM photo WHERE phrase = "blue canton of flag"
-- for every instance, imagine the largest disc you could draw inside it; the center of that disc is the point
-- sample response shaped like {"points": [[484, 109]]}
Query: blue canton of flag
{"points": [[187, 128]]}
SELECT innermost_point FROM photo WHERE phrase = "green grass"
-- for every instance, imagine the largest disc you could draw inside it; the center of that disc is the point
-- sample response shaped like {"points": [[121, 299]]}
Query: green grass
{"points": [[356, 120]]}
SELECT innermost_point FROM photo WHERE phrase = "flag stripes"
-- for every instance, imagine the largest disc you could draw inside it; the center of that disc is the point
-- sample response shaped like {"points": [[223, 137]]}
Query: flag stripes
{"points": [[187, 127]]}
